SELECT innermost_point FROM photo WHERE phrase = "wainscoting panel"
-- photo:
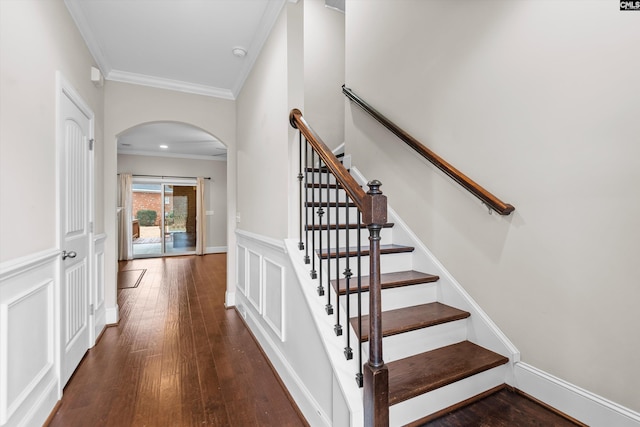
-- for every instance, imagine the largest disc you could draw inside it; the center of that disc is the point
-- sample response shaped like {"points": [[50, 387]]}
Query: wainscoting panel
{"points": [[254, 293], [278, 315], [274, 297], [242, 270], [99, 319], [29, 385]]}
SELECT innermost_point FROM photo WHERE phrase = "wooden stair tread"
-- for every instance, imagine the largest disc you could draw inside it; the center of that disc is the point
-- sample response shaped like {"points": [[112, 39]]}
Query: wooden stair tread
{"points": [[411, 318], [388, 280], [364, 251], [342, 226], [419, 374]]}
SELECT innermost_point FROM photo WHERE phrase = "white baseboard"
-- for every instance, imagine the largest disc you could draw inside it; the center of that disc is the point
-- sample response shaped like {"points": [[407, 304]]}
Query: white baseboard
{"points": [[229, 299], [112, 315], [215, 249], [572, 400], [46, 403]]}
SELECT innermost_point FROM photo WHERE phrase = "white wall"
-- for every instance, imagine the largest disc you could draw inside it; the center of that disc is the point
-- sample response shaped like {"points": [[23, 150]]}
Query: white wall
{"points": [[215, 198], [324, 71], [37, 38], [129, 105], [262, 130], [538, 102]]}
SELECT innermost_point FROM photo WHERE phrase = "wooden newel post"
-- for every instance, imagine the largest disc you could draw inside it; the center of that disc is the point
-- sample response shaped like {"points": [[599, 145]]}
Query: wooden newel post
{"points": [[375, 372]]}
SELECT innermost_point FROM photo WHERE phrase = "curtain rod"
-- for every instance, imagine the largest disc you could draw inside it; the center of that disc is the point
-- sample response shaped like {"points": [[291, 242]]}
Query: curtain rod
{"points": [[169, 176]]}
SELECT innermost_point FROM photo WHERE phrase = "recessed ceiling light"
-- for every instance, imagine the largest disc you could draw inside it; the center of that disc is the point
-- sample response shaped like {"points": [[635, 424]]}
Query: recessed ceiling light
{"points": [[239, 52], [164, 147]]}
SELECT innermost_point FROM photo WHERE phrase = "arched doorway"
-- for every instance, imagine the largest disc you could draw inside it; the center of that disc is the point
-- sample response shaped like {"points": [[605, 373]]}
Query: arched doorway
{"points": [[164, 160]]}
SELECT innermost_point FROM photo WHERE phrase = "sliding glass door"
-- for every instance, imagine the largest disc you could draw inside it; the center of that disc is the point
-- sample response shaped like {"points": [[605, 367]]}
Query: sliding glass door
{"points": [[164, 220], [180, 219]]}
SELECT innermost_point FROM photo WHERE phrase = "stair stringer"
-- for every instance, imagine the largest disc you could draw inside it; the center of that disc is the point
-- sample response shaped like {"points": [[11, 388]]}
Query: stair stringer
{"points": [[481, 329], [343, 370]]}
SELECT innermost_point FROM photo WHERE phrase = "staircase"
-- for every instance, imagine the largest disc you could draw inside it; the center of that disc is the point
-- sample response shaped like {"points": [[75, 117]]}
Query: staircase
{"points": [[425, 341], [440, 350]]}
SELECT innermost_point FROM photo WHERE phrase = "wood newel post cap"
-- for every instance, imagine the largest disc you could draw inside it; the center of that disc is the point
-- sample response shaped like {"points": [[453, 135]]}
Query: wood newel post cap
{"points": [[375, 211], [292, 117]]}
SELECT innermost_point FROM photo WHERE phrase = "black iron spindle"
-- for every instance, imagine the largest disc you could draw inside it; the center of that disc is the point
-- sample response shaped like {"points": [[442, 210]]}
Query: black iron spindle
{"points": [[313, 272], [320, 214], [300, 176], [348, 352], [338, 327], [359, 376], [328, 307], [306, 202]]}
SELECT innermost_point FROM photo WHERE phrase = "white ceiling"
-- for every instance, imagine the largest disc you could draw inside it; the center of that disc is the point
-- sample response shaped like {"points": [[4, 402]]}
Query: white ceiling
{"points": [[183, 45], [176, 44], [171, 139]]}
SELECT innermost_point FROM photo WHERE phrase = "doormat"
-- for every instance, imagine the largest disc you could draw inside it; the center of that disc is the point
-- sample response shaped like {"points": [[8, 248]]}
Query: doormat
{"points": [[130, 278]]}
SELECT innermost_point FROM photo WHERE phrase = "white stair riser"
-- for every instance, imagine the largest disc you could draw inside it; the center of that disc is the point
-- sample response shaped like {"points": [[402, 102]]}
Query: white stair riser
{"points": [[389, 263], [324, 197], [394, 298], [330, 212], [408, 344], [386, 238], [444, 397]]}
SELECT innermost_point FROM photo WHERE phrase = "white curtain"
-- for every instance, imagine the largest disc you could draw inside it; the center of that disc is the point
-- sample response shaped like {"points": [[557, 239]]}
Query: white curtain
{"points": [[125, 205], [200, 218]]}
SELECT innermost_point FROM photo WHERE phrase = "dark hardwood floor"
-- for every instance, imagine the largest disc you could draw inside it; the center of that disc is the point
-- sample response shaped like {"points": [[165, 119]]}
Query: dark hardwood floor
{"points": [[505, 408], [177, 358]]}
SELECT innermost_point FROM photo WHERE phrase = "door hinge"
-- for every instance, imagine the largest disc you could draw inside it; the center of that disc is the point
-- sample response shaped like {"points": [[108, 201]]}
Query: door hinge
{"points": [[91, 309], [91, 141], [91, 227]]}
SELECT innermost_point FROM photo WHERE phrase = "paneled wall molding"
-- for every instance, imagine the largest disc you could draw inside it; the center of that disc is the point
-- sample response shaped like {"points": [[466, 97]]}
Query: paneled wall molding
{"points": [[276, 306], [20, 265], [98, 321], [29, 337], [263, 240]]}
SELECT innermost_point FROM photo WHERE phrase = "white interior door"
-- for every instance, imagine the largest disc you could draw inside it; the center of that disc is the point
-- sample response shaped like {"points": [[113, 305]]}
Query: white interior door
{"points": [[76, 129]]}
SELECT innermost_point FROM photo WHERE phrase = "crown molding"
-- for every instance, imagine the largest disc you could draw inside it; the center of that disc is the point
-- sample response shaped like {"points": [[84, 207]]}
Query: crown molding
{"points": [[73, 6], [169, 84], [173, 155]]}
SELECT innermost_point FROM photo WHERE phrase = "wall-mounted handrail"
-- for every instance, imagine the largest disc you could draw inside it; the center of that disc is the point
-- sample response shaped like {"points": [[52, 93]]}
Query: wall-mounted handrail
{"points": [[474, 188]]}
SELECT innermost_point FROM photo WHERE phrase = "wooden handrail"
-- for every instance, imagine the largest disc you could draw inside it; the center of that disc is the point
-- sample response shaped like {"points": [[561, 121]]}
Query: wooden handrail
{"points": [[373, 207], [474, 188]]}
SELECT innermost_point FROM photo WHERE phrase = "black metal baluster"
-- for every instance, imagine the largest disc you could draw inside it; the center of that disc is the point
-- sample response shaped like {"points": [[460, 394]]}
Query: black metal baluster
{"points": [[306, 202], [300, 176], [328, 307], [338, 327], [320, 214], [359, 376], [314, 274], [348, 352]]}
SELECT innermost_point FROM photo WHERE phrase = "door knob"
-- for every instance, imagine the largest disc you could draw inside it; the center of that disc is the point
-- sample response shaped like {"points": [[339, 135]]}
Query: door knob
{"points": [[70, 254]]}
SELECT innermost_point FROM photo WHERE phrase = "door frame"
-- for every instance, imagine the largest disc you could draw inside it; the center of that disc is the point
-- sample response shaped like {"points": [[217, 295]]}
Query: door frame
{"points": [[162, 181], [65, 88]]}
